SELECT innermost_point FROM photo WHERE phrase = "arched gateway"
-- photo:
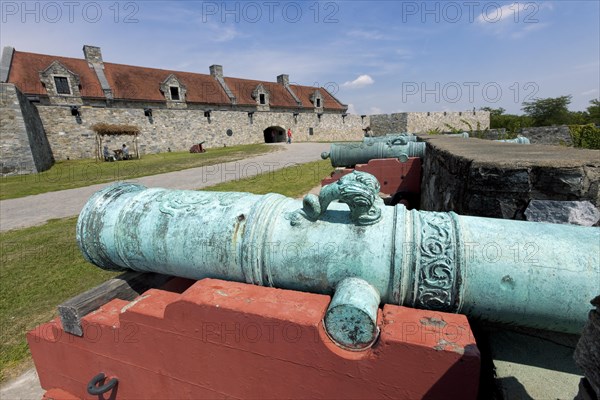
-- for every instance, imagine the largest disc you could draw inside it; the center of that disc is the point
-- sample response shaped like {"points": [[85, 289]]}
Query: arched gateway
{"points": [[274, 134]]}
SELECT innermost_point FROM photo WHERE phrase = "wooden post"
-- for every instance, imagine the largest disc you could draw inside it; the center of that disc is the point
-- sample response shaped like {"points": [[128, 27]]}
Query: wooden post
{"points": [[126, 286], [99, 154], [137, 154]]}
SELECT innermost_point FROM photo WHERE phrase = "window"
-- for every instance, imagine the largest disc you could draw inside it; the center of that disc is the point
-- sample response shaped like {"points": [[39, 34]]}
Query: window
{"points": [[318, 103], [262, 99], [62, 85], [174, 92]]}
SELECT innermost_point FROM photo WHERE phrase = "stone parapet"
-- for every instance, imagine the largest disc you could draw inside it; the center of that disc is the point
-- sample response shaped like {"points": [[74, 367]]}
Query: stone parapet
{"points": [[423, 122], [491, 179]]}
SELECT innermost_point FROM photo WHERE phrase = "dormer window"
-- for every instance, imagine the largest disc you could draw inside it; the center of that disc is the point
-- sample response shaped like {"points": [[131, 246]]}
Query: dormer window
{"points": [[174, 93], [62, 85], [317, 99], [261, 95]]}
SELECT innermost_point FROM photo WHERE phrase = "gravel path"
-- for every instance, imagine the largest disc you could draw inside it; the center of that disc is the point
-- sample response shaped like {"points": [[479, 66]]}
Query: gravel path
{"points": [[37, 209]]}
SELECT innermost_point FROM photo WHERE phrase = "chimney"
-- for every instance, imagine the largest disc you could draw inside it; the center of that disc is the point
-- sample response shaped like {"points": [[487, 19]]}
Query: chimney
{"points": [[283, 79], [5, 62], [92, 54], [216, 70]]}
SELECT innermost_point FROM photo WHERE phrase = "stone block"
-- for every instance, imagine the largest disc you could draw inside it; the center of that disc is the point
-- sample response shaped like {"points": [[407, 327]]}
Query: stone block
{"points": [[563, 212], [587, 353], [499, 179]]}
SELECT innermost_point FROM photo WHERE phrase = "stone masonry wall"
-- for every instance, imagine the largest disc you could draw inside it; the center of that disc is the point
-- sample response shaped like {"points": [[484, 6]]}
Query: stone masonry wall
{"points": [[180, 129], [422, 122], [382, 124], [489, 179], [24, 147], [555, 135]]}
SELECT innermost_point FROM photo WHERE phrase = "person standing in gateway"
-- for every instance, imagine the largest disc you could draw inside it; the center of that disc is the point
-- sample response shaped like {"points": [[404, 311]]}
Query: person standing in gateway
{"points": [[289, 135]]}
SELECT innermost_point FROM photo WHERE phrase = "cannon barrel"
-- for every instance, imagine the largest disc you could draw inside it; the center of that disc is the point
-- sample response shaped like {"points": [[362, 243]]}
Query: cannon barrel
{"points": [[514, 272], [403, 138], [350, 154], [399, 138], [518, 140]]}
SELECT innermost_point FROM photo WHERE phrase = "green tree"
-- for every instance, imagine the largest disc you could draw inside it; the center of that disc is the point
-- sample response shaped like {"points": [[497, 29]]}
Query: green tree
{"points": [[549, 111], [594, 111], [494, 112], [512, 123], [579, 118]]}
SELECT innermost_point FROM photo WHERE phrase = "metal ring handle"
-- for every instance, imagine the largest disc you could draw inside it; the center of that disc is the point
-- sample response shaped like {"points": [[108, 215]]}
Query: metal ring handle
{"points": [[93, 387]]}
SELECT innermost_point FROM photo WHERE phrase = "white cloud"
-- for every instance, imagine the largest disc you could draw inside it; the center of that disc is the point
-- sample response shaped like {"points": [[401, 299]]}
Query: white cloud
{"points": [[351, 109], [404, 54], [529, 28], [361, 81], [589, 92], [371, 35], [375, 110], [514, 11], [514, 20]]}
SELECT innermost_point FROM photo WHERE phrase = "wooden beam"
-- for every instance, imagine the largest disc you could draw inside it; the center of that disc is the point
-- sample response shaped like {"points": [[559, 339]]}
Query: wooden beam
{"points": [[126, 286]]}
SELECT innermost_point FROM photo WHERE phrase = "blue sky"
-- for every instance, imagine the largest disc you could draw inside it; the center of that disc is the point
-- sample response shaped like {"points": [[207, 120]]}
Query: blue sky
{"points": [[376, 56]]}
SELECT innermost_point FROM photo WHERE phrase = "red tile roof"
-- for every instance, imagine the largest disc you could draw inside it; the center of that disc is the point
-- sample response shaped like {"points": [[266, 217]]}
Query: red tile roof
{"points": [[143, 84], [242, 89], [140, 83], [304, 93], [25, 69]]}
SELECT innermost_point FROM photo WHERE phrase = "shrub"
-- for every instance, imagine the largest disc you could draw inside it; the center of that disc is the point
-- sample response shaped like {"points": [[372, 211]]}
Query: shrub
{"points": [[585, 136]]}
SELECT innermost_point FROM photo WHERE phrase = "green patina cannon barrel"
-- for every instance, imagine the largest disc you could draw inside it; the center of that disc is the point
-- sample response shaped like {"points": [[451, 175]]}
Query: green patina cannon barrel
{"points": [[518, 140], [513, 272], [399, 138], [403, 138], [350, 154]]}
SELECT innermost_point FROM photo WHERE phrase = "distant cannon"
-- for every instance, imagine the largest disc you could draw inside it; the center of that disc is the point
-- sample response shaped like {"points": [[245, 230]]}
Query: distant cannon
{"points": [[394, 138], [505, 271], [404, 137], [350, 154], [197, 148], [518, 140]]}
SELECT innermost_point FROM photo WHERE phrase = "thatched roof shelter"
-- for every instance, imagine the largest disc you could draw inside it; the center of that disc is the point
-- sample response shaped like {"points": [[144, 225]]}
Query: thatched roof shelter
{"points": [[103, 129]]}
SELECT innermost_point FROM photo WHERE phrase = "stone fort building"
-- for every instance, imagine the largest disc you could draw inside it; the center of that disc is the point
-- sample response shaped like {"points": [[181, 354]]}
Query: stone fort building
{"points": [[49, 103]]}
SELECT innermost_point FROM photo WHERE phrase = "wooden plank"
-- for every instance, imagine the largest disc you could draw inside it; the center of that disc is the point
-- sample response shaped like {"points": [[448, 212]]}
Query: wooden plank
{"points": [[126, 286]]}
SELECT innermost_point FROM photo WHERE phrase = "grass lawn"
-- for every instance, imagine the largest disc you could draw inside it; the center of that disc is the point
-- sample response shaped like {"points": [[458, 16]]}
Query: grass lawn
{"points": [[79, 173], [42, 265], [291, 181]]}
